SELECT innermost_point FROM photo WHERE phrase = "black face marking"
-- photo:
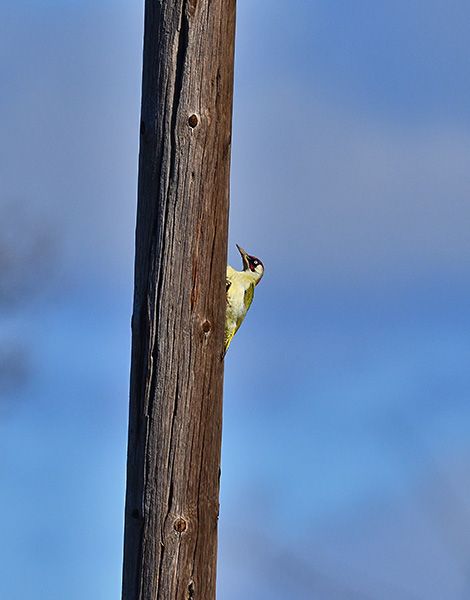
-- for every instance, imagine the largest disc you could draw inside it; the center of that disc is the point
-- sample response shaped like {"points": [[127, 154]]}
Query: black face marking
{"points": [[253, 262]]}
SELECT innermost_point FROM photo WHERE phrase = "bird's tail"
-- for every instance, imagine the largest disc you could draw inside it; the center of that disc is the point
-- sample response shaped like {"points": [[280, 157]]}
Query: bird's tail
{"points": [[228, 338]]}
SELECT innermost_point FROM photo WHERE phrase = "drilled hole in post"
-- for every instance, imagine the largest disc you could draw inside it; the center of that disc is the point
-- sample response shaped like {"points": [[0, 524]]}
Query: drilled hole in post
{"points": [[179, 525]]}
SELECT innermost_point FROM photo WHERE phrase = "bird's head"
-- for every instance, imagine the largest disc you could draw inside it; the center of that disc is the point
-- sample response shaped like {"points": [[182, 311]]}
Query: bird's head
{"points": [[252, 264]]}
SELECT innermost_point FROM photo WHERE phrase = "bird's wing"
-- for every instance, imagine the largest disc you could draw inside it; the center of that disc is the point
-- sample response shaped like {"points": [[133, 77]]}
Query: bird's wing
{"points": [[249, 292]]}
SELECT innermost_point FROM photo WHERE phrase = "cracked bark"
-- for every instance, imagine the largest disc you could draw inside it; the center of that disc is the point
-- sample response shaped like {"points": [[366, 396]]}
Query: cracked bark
{"points": [[175, 417]]}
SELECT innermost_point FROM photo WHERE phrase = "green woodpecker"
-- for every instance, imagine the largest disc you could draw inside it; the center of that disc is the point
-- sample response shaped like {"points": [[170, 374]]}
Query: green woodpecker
{"points": [[240, 290]]}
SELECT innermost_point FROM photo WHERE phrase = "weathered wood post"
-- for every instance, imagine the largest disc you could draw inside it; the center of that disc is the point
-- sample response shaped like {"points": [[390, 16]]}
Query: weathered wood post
{"points": [[175, 422]]}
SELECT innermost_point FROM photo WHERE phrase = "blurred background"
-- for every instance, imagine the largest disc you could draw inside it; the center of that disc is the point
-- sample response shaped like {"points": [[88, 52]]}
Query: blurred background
{"points": [[346, 455]]}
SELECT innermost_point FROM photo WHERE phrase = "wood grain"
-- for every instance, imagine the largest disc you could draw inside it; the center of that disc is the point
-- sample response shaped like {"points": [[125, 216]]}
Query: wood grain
{"points": [[175, 420]]}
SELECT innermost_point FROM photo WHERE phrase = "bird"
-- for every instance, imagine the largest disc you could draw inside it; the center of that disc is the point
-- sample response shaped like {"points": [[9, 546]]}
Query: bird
{"points": [[240, 289]]}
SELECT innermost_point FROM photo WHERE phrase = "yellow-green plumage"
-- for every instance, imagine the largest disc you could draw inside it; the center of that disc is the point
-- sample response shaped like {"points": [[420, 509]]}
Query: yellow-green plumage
{"points": [[240, 291]]}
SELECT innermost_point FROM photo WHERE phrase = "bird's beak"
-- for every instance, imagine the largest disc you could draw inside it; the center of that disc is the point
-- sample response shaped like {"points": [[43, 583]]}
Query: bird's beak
{"points": [[246, 262]]}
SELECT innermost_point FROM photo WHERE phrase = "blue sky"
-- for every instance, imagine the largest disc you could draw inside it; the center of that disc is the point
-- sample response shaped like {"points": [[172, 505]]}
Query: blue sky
{"points": [[346, 451]]}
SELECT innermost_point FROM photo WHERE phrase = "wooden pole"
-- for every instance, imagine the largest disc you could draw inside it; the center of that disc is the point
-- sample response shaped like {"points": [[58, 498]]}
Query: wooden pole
{"points": [[175, 421]]}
